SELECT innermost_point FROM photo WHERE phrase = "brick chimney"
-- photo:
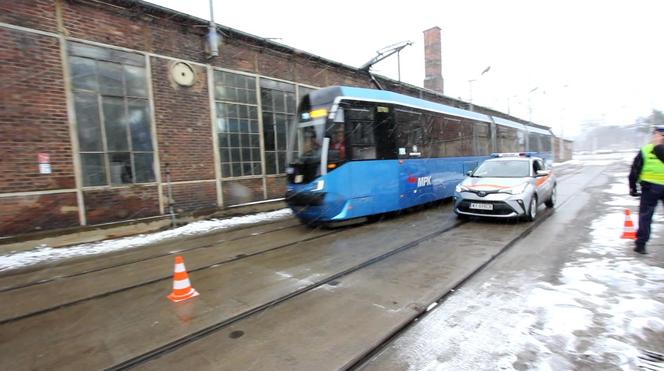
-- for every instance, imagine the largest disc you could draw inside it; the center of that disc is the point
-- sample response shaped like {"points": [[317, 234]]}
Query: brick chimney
{"points": [[433, 77]]}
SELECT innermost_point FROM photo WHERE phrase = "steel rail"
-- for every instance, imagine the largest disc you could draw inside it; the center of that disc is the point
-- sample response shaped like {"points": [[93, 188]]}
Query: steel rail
{"points": [[173, 345]]}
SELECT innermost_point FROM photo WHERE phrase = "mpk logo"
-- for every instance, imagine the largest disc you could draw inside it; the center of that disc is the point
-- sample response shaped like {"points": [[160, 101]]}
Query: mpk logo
{"points": [[423, 181]]}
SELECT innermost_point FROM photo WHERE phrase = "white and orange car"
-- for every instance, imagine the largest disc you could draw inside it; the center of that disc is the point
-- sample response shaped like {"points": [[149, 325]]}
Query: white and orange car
{"points": [[506, 186]]}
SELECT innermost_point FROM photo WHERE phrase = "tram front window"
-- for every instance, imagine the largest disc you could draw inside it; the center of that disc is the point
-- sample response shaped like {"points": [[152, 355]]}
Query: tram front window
{"points": [[310, 138], [307, 154]]}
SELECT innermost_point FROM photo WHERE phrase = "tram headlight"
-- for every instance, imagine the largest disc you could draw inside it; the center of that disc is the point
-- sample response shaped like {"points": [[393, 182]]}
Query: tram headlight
{"points": [[319, 185]]}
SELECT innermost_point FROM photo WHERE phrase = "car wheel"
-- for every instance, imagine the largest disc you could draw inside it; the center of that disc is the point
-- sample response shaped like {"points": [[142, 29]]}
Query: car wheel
{"points": [[551, 202], [532, 210]]}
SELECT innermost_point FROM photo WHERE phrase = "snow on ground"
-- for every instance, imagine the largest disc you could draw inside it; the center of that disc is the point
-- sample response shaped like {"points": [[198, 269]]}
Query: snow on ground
{"points": [[593, 313], [45, 253]]}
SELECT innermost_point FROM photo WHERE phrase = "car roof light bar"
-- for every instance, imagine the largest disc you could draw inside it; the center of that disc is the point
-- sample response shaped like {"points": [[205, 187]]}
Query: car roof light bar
{"points": [[514, 154]]}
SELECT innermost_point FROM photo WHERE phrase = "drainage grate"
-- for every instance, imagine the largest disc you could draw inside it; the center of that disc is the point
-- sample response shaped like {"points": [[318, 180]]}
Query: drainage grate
{"points": [[649, 360]]}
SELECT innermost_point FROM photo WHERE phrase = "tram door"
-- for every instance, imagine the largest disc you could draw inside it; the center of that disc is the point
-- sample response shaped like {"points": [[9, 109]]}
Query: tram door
{"points": [[415, 180], [362, 149]]}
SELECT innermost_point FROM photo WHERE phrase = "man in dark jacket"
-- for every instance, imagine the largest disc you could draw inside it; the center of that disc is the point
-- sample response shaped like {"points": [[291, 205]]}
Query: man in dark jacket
{"points": [[648, 170]]}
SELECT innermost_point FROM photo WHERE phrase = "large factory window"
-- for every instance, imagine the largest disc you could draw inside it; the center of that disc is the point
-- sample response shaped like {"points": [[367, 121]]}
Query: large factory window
{"points": [[112, 115], [278, 106], [237, 124]]}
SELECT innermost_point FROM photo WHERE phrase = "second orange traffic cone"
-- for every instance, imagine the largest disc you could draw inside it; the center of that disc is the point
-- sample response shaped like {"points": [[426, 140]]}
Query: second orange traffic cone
{"points": [[182, 289], [628, 231]]}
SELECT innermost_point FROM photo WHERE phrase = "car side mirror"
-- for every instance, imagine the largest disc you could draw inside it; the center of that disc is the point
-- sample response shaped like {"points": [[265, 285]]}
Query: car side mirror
{"points": [[469, 172], [543, 172]]}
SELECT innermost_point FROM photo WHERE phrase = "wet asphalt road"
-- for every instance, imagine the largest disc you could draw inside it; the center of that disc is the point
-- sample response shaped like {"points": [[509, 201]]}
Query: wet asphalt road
{"points": [[571, 295], [275, 296]]}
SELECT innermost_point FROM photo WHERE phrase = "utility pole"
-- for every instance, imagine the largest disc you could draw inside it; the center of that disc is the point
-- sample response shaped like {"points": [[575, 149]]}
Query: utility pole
{"points": [[470, 87], [530, 107]]}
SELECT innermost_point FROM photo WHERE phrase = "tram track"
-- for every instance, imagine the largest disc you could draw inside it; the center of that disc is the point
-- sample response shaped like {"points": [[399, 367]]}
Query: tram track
{"points": [[400, 330], [140, 320], [254, 321], [202, 333], [172, 343], [166, 277], [426, 309], [206, 330], [150, 281], [138, 260], [153, 256], [52, 304]]}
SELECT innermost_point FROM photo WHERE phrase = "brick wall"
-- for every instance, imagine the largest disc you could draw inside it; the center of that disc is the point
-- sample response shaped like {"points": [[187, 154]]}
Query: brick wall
{"points": [[237, 56], [33, 116], [126, 203], [184, 129], [37, 14], [276, 187], [33, 113], [39, 212], [193, 197], [100, 23], [275, 65], [242, 191]]}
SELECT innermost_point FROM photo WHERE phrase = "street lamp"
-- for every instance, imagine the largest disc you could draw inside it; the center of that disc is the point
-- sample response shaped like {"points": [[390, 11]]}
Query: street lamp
{"points": [[509, 99], [562, 124], [470, 86], [530, 108]]}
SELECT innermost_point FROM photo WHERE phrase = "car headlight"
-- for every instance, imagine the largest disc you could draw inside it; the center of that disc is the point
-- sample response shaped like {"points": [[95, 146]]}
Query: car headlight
{"points": [[460, 188], [515, 190], [319, 185]]}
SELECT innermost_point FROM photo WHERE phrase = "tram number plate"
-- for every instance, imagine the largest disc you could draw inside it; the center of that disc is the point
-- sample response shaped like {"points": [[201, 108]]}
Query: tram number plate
{"points": [[299, 178], [481, 206]]}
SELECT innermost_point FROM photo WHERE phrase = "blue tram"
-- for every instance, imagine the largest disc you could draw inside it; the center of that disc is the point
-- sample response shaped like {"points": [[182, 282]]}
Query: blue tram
{"points": [[356, 152]]}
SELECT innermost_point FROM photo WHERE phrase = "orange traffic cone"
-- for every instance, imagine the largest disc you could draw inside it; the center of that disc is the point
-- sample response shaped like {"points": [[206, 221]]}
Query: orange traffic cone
{"points": [[628, 231], [182, 289]]}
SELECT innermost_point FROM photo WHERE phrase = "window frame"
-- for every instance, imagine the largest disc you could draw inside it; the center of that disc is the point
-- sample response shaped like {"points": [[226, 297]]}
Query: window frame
{"points": [[285, 89], [232, 103], [100, 55]]}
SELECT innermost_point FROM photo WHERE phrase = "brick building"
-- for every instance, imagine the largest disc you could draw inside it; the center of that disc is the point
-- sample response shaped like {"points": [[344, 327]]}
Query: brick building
{"points": [[105, 103]]}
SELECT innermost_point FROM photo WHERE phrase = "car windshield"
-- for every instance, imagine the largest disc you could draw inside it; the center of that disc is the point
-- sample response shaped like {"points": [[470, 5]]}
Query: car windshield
{"points": [[503, 169]]}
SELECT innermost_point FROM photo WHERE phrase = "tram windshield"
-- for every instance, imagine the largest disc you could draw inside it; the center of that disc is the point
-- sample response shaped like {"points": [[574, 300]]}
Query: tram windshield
{"points": [[317, 137], [317, 144], [310, 139]]}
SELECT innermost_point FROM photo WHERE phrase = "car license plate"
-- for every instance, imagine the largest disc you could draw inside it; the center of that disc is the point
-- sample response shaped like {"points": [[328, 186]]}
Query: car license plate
{"points": [[481, 206]]}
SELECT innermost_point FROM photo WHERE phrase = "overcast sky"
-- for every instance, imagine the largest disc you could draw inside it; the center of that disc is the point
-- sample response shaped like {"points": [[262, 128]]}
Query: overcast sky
{"points": [[600, 61]]}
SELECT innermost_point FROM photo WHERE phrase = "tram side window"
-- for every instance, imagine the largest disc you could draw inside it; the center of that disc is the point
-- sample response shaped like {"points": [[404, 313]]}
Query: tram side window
{"points": [[545, 142], [467, 138], [360, 122], [481, 138], [432, 145], [507, 139], [533, 143], [427, 144], [410, 134], [384, 133], [437, 136], [450, 136], [458, 137]]}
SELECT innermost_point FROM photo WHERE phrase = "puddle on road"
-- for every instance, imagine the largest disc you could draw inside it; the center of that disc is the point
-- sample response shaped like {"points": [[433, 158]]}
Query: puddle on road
{"points": [[236, 334]]}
